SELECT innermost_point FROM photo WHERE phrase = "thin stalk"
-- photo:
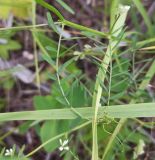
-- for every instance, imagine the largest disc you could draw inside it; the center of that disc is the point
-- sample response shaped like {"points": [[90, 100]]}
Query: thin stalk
{"points": [[58, 77], [57, 68], [122, 12], [34, 45], [8, 133], [56, 137], [74, 156], [51, 8], [110, 80], [83, 28], [22, 27]]}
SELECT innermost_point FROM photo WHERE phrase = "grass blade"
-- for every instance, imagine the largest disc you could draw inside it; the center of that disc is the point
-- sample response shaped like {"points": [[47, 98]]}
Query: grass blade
{"points": [[144, 14], [122, 111], [51, 8], [65, 6]]}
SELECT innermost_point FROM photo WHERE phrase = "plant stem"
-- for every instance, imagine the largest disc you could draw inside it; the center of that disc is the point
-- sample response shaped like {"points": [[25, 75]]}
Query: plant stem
{"points": [[83, 28], [34, 44], [22, 27], [68, 23], [122, 13], [56, 137], [57, 68]]}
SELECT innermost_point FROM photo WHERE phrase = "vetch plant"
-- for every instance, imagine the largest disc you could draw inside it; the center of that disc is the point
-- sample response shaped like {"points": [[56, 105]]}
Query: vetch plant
{"points": [[76, 101]]}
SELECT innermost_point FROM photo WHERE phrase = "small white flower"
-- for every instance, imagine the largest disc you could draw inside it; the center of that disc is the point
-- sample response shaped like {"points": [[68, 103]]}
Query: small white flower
{"points": [[9, 152], [87, 46], [64, 145]]}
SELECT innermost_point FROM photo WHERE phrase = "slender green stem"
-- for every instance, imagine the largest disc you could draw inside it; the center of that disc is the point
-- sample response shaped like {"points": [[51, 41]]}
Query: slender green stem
{"points": [[22, 27], [58, 77], [74, 156], [57, 68], [110, 79], [51, 8], [122, 12], [83, 28], [56, 137], [34, 44], [8, 133]]}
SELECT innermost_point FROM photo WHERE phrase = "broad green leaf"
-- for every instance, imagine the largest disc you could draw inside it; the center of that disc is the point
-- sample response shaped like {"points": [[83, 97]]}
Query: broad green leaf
{"points": [[45, 102], [77, 95], [23, 128], [56, 92], [49, 130]]}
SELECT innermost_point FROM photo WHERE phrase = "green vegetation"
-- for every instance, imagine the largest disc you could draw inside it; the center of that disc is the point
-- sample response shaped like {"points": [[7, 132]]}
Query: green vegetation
{"points": [[105, 115]]}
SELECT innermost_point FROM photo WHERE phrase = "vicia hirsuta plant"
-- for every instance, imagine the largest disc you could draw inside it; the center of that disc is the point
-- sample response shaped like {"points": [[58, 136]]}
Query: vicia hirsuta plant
{"points": [[97, 111]]}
